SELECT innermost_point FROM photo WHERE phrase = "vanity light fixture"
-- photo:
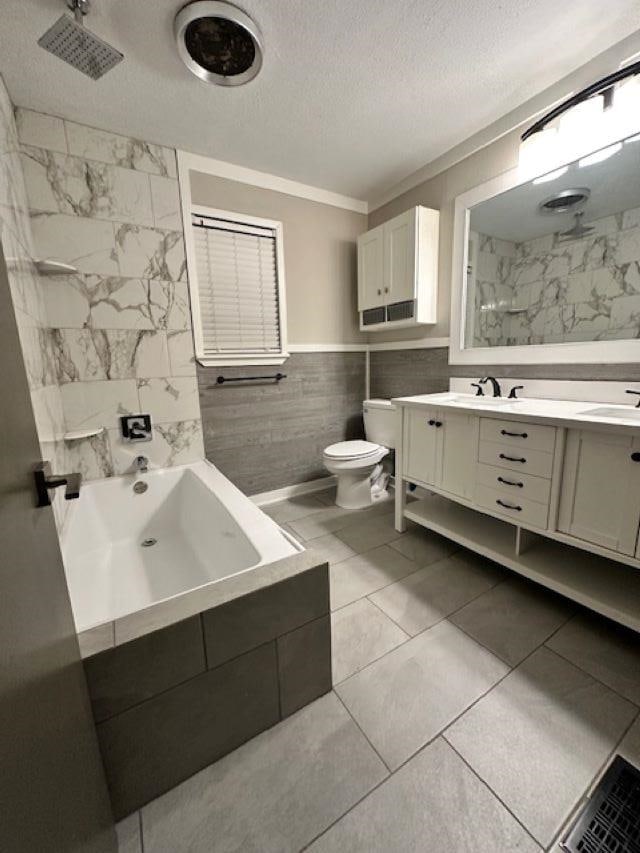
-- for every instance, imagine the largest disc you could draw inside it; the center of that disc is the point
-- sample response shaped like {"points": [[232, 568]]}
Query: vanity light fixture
{"points": [[591, 120]]}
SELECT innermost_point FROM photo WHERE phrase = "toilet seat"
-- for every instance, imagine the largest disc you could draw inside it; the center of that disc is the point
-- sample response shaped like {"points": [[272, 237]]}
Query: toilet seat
{"points": [[351, 450]]}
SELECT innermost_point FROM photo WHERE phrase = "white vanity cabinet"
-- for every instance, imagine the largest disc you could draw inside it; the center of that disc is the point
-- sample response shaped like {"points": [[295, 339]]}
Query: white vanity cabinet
{"points": [[440, 449], [555, 498], [398, 271], [600, 499]]}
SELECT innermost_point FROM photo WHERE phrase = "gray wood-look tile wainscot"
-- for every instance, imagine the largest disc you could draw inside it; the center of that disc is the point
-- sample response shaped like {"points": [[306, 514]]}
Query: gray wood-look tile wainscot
{"points": [[173, 701], [264, 435], [403, 373]]}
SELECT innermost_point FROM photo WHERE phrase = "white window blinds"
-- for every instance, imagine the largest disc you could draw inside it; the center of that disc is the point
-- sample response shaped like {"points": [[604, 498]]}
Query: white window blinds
{"points": [[237, 287]]}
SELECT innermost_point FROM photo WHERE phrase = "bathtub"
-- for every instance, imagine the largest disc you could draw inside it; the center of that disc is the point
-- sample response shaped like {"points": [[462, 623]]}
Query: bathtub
{"points": [[127, 552]]}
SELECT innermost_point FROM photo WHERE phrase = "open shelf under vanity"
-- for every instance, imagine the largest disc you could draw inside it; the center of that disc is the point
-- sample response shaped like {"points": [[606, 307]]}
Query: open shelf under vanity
{"points": [[606, 586]]}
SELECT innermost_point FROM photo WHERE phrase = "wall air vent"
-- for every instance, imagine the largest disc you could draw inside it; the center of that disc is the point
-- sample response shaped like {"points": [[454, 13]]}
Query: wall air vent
{"points": [[372, 316], [401, 310]]}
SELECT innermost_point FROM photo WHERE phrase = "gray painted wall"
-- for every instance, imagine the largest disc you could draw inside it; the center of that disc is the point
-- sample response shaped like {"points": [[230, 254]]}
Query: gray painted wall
{"points": [[398, 373], [266, 436]]}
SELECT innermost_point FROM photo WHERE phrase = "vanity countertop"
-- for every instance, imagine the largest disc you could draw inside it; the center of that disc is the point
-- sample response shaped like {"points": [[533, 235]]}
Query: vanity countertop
{"points": [[566, 413]]}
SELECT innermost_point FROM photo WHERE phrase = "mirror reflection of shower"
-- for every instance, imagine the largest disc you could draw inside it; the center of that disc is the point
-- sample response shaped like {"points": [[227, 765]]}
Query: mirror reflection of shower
{"points": [[557, 260]]}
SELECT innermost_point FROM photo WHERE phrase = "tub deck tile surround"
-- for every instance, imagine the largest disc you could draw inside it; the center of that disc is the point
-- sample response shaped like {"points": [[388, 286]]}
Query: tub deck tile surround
{"points": [[168, 703], [314, 782]]}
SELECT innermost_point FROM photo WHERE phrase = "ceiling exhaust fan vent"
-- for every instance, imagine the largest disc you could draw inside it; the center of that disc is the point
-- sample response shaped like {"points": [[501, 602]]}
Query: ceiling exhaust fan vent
{"points": [[218, 42], [566, 200]]}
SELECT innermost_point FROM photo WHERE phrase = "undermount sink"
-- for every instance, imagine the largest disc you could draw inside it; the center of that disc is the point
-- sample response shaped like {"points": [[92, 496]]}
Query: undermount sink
{"points": [[613, 412]]}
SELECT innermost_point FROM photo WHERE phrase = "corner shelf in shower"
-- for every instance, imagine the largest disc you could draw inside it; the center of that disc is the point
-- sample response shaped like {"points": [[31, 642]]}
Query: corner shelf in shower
{"points": [[48, 267], [79, 434], [503, 310]]}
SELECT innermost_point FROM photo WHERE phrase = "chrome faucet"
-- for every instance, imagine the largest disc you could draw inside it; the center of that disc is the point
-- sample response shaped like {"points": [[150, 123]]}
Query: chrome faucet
{"points": [[497, 391], [141, 464]]}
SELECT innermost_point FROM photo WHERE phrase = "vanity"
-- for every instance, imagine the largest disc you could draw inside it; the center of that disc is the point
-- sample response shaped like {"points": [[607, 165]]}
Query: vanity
{"points": [[548, 488], [545, 286]]}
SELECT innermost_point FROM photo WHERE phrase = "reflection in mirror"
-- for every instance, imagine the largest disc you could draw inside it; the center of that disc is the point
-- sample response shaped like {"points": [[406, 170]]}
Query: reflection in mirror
{"points": [[557, 260]]}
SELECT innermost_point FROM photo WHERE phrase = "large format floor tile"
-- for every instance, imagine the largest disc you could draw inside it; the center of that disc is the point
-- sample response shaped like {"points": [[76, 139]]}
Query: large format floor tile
{"points": [[424, 547], [608, 652], [331, 549], [329, 519], [293, 508], [370, 532], [365, 573], [361, 633], [406, 698], [513, 618], [539, 738], [434, 803], [419, 601], [128, 834], [275, 793]]}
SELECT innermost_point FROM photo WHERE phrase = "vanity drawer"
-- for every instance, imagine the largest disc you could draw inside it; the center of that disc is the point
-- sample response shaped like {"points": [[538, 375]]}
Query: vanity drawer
{"points": [[512, 506], [519, 459], [517, 434], [516, 484]]}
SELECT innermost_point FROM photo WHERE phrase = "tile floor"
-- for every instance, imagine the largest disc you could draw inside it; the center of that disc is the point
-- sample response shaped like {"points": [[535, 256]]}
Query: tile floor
{"points": [[472, 711]]}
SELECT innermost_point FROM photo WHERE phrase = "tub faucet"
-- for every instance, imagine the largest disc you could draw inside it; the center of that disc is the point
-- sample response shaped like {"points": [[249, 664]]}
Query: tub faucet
{"points": [[497, 391], [142, 464]]}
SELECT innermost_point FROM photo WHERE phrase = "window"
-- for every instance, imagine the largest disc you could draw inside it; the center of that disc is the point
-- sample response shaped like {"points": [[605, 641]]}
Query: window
{"points": [[236, 279]]}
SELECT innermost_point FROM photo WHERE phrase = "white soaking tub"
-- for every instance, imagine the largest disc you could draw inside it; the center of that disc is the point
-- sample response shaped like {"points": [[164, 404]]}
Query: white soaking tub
{"points": [[125, 552]]}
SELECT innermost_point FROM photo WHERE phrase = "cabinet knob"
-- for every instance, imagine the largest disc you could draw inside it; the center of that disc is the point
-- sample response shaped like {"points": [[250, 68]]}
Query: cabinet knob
{"points": [[386, 290], [379, 292], [636, 456], [431, 422]]}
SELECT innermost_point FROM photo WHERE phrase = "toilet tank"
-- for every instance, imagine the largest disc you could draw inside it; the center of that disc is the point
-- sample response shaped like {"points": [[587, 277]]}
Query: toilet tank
{"points": [[380, 422]]}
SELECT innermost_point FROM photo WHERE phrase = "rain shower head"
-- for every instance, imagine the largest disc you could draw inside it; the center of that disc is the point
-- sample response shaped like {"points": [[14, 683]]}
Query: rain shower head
{"points": [[579, 230], [69, 40]]}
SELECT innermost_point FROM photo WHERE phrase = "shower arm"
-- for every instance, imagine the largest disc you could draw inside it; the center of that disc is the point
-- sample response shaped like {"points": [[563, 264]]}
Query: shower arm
{"points": [[79, 8]]}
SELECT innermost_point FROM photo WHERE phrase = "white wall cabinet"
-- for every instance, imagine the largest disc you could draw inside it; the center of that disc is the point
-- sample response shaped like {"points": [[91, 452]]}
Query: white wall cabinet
{"points": [[600, 500], [370, 268], [398, 271]]}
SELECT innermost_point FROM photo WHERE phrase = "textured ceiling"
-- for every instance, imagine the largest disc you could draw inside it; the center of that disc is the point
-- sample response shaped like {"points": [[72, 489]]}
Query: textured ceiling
{"points": [[354, 94]]}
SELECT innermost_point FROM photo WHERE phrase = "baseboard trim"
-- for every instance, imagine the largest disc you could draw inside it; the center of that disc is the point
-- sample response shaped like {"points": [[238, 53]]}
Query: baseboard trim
{"points": [[272, 497]]}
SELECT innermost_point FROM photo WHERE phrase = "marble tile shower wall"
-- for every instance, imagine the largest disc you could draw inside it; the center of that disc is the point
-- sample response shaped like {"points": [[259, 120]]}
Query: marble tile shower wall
{"points": [[119, 331], [26, 294], [586, 289]]}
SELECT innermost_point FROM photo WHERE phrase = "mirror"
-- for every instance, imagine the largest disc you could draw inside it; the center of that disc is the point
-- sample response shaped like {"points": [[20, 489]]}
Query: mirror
{"points": [[553, 261]]}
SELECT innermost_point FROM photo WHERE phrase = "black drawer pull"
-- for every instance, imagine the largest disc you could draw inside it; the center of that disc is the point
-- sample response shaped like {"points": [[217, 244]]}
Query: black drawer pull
{"points": [[510, 482], [635, 456], [514, 434], [434, 423], [512, 458], [509, 506]]}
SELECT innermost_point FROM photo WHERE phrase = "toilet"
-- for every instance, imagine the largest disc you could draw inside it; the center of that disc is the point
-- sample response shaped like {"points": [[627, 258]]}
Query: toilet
{"points": [[356, 464]]}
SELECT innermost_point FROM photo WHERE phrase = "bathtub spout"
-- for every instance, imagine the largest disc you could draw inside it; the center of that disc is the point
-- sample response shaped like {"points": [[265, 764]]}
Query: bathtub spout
{"points": [[141, 464]]}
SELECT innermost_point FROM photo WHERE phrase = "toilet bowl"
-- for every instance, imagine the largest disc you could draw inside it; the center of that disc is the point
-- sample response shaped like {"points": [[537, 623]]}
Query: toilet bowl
{"points": [[356, 464]]}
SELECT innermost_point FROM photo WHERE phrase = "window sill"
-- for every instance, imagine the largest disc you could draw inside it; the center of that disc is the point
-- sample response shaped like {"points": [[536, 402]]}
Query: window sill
{"points": [[242, 361]]}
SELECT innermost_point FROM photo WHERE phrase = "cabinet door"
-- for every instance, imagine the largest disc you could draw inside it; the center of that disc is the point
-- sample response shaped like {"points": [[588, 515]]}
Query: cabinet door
{"points": [[459, 451], [421, 446], [371, 269], [600, 500], [400, 257]]}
